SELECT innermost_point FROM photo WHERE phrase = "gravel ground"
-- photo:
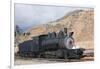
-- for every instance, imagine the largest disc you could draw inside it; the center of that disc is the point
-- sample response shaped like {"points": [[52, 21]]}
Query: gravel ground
{"points": [[45, 61]]}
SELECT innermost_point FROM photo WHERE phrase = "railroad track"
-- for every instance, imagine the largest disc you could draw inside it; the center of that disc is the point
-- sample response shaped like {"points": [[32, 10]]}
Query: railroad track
{"points": [[88, 56]]}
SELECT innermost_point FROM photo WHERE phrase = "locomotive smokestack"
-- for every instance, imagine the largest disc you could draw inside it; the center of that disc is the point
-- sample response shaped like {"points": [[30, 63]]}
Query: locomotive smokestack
{"points": [[65, 30], [71, 34]]}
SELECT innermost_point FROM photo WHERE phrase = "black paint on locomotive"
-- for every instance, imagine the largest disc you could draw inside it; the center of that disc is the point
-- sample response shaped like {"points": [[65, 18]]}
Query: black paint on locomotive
{"points": [[50, 42]]}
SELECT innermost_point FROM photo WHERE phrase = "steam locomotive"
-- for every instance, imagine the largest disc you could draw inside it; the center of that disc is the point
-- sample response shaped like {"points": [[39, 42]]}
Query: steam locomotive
{"points": [[58, 45]]}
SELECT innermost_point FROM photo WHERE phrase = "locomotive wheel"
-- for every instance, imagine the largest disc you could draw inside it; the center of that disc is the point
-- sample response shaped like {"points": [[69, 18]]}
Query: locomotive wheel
{"points": [[66, 54], [65, 57], [47, 56], [59, 53], [41, 55]]}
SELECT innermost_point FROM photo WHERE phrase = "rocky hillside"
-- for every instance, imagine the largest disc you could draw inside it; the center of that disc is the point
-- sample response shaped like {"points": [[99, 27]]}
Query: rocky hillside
{"points": [[79, 21]]}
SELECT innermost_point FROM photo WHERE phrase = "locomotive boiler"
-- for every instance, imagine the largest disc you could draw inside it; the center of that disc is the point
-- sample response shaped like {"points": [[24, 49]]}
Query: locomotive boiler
{"points": [[58, 45]]}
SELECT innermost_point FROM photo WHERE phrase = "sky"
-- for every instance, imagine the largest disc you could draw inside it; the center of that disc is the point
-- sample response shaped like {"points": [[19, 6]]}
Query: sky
{"points": [[27, 15]]}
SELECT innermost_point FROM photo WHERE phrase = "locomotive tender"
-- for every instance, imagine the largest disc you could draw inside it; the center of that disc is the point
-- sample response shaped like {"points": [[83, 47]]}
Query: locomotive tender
{"points": [[58, 45]]}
